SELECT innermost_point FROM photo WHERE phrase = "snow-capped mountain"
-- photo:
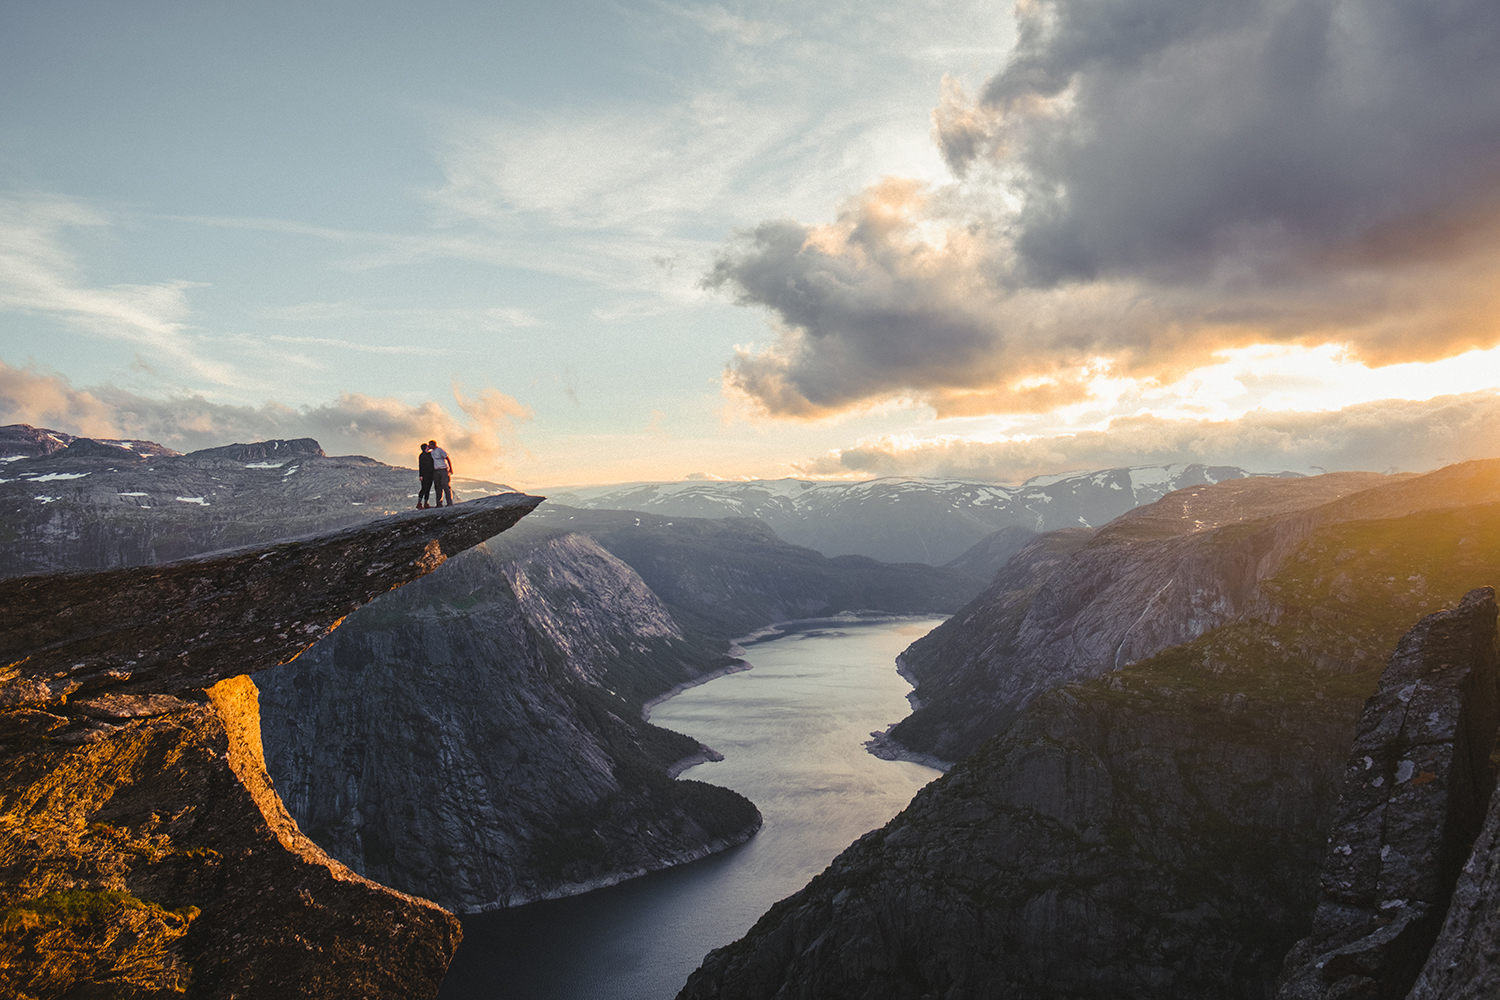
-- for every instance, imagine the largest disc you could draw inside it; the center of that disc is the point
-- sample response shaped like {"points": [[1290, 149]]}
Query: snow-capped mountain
{"points": [[906, 520]]}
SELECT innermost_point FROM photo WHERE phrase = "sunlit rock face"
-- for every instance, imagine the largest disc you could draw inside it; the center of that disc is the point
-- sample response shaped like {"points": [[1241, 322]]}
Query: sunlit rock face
{"points": [[1157, 830], [145, 850]]}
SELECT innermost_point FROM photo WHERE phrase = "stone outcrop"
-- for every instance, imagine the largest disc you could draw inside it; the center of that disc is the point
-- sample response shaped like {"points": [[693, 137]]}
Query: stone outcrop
{"points": [[516, 678], [1464, 963], [27, 441], [145, 851], [180, 626], [559, 633], [265, 451], [1416, 788]]}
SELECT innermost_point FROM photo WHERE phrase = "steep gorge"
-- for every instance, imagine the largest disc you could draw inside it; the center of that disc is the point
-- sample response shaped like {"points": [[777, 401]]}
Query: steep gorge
{"points": [[477, 737], [1155, 830]]}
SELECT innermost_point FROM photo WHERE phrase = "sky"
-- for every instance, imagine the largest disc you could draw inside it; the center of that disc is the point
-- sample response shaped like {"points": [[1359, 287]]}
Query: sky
{"points": [[590, 242]]}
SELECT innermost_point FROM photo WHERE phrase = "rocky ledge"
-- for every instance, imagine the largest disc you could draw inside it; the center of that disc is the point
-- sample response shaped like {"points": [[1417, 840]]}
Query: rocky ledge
{"points": [[145, 852], [182, 626]]}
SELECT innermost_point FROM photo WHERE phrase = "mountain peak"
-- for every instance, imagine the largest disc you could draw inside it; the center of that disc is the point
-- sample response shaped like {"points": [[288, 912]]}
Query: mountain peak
{"points": [[260, 451]]}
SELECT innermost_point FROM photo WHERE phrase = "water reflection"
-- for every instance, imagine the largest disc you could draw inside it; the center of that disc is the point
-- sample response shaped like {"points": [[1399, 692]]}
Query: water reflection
{"points": [[792, 731]]}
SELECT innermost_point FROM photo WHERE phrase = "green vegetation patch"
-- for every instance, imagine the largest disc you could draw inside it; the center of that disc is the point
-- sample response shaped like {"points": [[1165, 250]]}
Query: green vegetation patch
{"points": [[85, 906]]}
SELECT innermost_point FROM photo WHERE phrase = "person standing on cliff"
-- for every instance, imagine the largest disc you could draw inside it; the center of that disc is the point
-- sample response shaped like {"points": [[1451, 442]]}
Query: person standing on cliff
{"points": [[424, 473], [442, 473]]}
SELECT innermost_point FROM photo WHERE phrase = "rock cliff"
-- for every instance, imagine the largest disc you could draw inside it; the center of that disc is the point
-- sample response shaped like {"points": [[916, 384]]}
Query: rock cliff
{"points": [[1155, 830], [146, 852], [516, 678], [727, 577], [477, 737], [1416, 787], [1076, 604], [1464, 963]]}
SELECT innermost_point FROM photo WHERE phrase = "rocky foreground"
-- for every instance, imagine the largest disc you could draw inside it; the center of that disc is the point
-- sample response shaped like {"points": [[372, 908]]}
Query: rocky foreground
{"points": [[145, 850]]}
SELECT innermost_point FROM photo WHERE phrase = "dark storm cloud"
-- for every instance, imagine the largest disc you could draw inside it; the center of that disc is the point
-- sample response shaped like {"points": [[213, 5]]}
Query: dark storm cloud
{"points": [[1183, 175]]}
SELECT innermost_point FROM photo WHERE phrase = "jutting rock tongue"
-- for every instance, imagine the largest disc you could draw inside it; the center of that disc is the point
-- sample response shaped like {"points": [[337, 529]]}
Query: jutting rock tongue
{"points": [[145, 851], [1417, 786], [187, 625]]}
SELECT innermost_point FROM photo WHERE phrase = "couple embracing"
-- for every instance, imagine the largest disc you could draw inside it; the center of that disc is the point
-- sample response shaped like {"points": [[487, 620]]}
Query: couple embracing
{"points": [[434, 468]]}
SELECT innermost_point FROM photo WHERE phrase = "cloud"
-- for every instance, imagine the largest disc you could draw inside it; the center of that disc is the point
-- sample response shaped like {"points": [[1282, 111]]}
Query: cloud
{"points": [[1392, 435], [497, 318], [387, 429], [1143, 183], [38, 274], [715, 19]]}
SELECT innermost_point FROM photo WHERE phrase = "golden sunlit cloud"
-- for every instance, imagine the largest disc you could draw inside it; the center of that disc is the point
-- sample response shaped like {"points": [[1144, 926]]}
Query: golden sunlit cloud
{"points": [[481, 442], [1388, 435], [1131, 204]]}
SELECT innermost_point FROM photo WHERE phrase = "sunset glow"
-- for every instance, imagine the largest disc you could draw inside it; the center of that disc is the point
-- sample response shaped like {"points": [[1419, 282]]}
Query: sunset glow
{"points": [[627, 242]]}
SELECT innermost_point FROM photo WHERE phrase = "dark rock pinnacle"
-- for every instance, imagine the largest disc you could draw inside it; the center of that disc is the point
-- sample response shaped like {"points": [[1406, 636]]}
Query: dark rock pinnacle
{"points": [[1417, 786]]}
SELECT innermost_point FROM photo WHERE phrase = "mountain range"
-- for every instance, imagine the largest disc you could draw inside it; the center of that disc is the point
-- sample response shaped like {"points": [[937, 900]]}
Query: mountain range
{"points": [[933, 521]]}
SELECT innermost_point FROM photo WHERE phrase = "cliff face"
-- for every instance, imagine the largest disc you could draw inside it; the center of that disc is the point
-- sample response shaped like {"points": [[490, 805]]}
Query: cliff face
{"points": [[516, 679], [1157, 830], [1152, 834], [145, 852], [1415, 791], [1463, 963], [539, 779], [1073, 605]]}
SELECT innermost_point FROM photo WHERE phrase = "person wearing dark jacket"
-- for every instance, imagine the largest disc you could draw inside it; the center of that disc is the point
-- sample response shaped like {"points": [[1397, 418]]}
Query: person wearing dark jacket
{"points": [[424, 472]]}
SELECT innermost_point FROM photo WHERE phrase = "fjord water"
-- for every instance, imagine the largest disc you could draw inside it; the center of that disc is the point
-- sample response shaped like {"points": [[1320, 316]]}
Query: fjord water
{"points": [[791, 730]]}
